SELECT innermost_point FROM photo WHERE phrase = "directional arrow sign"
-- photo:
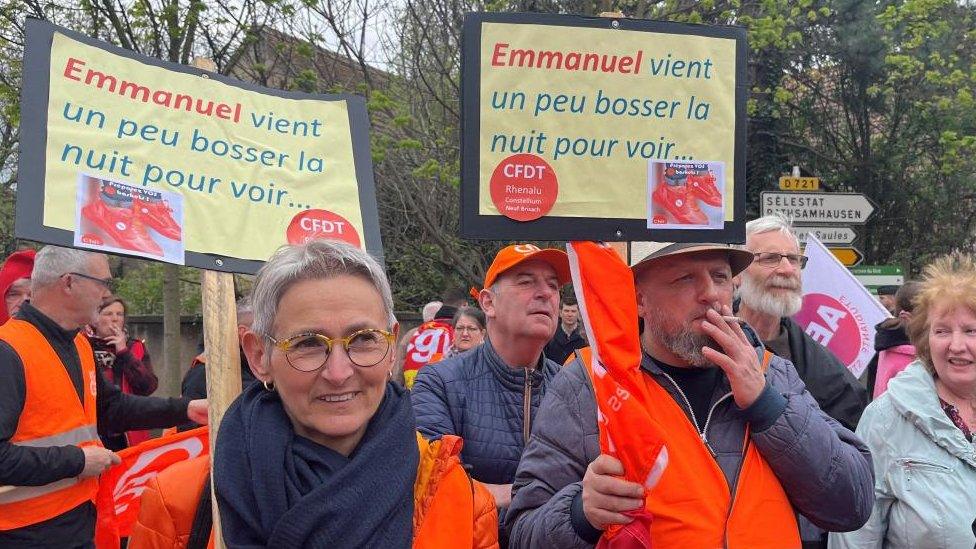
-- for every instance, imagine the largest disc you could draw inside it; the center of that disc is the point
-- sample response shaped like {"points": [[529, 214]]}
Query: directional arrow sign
{"points": [[872, 276], [846, 208], [848, 256], [827, 235]]}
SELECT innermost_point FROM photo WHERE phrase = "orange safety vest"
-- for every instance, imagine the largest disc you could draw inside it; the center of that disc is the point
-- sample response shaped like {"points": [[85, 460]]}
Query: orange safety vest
{"points": [[52, 416], [692, 505]]}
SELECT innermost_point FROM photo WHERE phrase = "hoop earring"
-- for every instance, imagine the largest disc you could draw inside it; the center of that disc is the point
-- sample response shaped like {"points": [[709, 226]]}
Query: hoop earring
{"points": [[268, 386]]}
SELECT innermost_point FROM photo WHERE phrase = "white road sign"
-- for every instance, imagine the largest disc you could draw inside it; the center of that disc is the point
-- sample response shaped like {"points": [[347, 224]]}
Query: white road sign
{"points": [[846, 208], [827, 235]]}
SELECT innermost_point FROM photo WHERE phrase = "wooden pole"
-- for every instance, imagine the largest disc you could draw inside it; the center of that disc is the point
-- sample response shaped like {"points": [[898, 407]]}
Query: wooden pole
{"points": [[621, 249], [223, 362], [221, 345]]}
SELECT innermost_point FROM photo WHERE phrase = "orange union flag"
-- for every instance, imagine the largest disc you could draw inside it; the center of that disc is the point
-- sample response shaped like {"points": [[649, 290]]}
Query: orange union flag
{"points": [[121, 487], [608, 309]]}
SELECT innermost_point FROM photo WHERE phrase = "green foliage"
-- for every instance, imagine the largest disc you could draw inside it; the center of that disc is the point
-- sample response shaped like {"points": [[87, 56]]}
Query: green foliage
{"points": [[141, 285], [876, 97]]}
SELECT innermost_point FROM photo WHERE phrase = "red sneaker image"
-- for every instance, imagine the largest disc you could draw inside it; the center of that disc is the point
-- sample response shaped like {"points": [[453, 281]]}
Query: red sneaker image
{"points": [[157, 216], [120, 226], [703, 188], [675, 201]]}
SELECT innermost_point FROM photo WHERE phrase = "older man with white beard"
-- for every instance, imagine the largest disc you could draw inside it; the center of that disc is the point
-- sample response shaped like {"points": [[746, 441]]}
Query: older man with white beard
{"points": [[769, 293]]}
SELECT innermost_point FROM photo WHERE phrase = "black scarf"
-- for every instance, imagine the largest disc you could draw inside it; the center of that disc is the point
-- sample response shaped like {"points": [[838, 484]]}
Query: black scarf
{"points": [[277, 489]]}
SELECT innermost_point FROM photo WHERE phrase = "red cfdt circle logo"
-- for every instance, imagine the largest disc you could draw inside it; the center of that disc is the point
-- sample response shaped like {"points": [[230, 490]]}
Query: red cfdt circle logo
{"points": [[831, 324], [312, 224], [523, 187]]}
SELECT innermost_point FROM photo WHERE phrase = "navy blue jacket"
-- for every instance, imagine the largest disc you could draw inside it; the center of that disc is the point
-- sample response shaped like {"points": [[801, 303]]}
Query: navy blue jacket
{"points": [[479, 398]]}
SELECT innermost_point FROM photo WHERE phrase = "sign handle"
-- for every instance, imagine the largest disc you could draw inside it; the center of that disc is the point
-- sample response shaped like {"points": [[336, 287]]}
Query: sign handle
{"points": [[223, 363]]}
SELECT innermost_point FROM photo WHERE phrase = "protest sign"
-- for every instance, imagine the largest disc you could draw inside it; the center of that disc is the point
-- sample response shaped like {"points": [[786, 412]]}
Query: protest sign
{"points": [[570, 125], [130, 154], [838, 311]]}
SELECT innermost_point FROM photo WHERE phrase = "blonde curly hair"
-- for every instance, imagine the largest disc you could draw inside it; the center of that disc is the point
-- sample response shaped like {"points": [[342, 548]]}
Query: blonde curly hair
{"points": [[948, 282]]}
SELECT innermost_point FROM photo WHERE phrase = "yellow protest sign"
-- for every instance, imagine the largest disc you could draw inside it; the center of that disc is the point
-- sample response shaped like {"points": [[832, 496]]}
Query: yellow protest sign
{"points": [[613, 129], [131, 155]]}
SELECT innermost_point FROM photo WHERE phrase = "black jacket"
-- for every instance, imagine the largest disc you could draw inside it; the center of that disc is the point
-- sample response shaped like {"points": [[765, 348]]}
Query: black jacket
{"points": [[562, 345], [832, 385], [195, 384], [26, 466]]}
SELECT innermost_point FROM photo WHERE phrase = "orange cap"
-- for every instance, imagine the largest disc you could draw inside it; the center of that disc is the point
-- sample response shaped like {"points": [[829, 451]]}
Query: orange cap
{"points": [[510, 256]]}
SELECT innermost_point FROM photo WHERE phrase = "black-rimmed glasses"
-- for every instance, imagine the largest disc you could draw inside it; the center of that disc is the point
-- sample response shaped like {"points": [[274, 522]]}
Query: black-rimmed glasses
{"points": [[108, 283]]}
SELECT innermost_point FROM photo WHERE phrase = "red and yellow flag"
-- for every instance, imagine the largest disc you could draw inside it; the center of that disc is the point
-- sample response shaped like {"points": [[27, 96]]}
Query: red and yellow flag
{"points": [[428, 345]]}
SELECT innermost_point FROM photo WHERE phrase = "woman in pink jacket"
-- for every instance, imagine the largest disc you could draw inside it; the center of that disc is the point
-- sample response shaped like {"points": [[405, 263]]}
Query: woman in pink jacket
{"points": [[895, 352]]}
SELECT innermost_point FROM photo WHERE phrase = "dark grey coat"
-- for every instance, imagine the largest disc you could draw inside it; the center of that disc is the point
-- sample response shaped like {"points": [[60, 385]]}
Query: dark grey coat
{"points": [[824, 468]]}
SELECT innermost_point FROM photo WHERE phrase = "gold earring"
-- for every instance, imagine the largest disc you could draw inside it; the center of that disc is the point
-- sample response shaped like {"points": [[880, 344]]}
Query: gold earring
{"points": [[268, 386], [389, 374]]}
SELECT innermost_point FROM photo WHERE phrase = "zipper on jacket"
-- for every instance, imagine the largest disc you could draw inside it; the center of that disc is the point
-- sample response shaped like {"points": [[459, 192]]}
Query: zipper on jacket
{"points": [[527, 407], [708, 421], [702, 431]]}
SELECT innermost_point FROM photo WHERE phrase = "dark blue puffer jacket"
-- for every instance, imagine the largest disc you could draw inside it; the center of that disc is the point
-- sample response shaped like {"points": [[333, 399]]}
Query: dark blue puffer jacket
{"points": [[479, 398]]}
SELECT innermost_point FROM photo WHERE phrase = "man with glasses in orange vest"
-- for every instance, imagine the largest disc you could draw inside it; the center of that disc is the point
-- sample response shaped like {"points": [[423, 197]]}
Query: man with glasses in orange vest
{"points": [[746, 444], [52, 401]]}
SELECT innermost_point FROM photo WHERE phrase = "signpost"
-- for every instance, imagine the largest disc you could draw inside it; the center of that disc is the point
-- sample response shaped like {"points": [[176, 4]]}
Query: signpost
{"points": [[875, 276], [789, 183], [832, 214], [849, 256], [827, 235], [846, 208]]}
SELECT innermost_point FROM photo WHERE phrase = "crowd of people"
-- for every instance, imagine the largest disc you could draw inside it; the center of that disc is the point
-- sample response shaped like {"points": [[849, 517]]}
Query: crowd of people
{"points": [[481, 428]]}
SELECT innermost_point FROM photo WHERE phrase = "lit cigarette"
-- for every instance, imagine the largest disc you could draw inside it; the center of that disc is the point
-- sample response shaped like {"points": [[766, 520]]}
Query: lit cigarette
{"points": [[731, 319]]}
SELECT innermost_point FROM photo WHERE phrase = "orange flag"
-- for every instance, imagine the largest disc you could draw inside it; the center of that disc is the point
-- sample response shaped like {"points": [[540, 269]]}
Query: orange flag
{"points": [[121, 486], [607, 299]]}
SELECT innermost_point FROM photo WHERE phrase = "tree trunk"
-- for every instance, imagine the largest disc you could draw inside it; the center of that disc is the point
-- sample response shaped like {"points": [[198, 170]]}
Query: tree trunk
{"points": [[171, 374]]}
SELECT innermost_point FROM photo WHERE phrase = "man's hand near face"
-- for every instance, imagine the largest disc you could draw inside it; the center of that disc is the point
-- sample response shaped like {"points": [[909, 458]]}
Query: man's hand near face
{"points": [[738, 361]]}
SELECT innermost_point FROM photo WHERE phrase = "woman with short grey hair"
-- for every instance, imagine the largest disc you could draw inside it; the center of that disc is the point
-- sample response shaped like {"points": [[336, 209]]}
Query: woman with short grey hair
{"points": [[324, 451], [315, 259]]}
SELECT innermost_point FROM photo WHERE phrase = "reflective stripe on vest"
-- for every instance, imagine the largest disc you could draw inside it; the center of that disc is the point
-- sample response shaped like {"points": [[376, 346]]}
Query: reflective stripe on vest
{"points": [[21, 493], [52, 416], [692, 504], [74, 437]]}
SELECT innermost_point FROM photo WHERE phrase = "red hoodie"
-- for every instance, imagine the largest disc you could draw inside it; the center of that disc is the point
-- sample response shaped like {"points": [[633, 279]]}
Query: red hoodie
{"points": [[18, 265]]}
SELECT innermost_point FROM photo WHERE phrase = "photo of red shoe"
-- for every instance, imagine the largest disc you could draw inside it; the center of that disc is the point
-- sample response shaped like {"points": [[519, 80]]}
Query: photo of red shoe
{"points": [[703, 188], [120, 225], [675, 201], [157, 215]]}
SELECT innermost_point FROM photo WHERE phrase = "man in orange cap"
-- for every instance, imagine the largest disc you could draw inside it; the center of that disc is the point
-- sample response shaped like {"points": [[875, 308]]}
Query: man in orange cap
{"points": [[489, 394]]}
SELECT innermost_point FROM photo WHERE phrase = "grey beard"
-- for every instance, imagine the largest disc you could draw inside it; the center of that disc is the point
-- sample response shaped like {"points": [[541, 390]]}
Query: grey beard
{"points": [[758, 299], [686, 344]]}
